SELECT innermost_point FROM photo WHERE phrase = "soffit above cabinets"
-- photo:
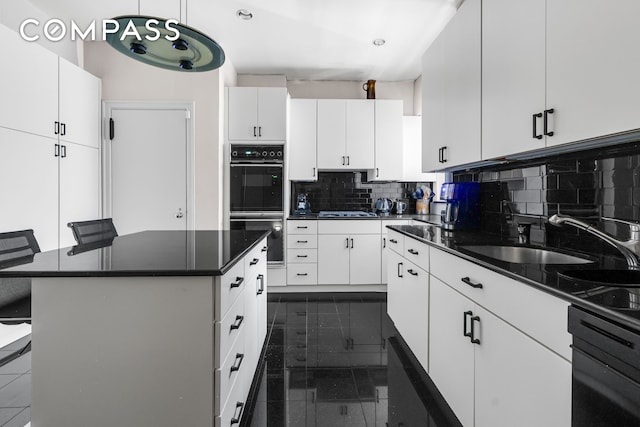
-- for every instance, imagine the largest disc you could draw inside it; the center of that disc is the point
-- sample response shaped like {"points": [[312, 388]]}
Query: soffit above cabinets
{"points": [[303, 39]]}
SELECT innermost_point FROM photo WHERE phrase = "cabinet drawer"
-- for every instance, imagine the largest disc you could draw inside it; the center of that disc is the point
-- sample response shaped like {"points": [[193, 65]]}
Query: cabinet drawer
{"points": [[302, 241], [228, 287], [302, 227], [536, 313], [227, 331], [296, 256], [395, 241], [417, 252], [302, 274], [233, 367], [233, 409], [349, 226]]}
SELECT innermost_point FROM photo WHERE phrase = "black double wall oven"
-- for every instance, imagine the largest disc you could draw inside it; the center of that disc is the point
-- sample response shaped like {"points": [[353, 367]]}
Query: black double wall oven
{"points": [[256, 193]]}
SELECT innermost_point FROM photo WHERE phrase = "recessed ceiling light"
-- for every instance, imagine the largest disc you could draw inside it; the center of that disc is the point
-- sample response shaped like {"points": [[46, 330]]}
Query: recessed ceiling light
{"points": [[244, 14], [379, 42]]}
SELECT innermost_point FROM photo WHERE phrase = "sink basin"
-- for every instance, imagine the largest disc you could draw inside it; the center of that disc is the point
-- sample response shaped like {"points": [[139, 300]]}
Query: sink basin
{"points": [[617, 278], [525, 254]]}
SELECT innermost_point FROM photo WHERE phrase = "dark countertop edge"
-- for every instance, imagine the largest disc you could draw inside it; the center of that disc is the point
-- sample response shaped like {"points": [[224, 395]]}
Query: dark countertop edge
{"points": [[138, 273], [421, 218], [603, 311]]}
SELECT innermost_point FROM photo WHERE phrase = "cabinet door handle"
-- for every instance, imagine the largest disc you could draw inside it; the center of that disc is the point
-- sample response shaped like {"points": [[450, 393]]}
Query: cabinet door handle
{"points": [[56, 128], [347, 239], [56, 150], [302, 241], [545, 122], [237, 283], [412, 251], [351, 243], [237, 323], [63, 151], [411, 272], [394, 241], [304, 227], [348, 160], [63, 127], [343, 160], [377, 172], [254, 131], [534, 125], [444, 159], [384, 242], [440, 155], [302, 256], [399, 272], [265, 249], [468, 281], [260, 131], [261, 286], [314, 172], [237, 413], [302, 274], [464, 323], [254, 261], [236, 365], [474, 340]]}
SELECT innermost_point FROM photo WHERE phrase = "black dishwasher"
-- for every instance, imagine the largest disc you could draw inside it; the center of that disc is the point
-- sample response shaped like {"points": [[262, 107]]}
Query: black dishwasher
{"points": [[606, 371]]}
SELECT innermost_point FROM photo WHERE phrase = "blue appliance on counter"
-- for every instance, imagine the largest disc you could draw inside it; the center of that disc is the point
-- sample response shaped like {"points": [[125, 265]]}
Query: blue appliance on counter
{"points": [[462, 205]]}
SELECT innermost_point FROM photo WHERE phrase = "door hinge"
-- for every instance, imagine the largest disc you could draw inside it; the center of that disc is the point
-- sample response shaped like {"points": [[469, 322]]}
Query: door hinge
{"points": [[111, 129]]}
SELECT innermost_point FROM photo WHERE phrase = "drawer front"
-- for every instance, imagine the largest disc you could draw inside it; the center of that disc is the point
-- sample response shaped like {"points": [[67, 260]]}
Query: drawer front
{"points": [[302, 241], [233, 371], [233, 410], [395, 242], [302, 274], [296, 256], [417, 252], [227, 331], [536, 313], [302, 227], [228, 288], [255, 260], [349, 226]]}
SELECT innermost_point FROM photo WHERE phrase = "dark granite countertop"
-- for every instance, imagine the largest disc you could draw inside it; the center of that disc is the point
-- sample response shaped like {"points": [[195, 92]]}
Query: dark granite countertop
{"points": [[148, 253], [611, 302], [431, 219]]}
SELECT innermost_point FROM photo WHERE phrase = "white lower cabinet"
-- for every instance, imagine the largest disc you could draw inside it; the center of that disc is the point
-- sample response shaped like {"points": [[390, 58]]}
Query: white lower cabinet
{"points": [[386, 245], [490, 373], [348, 259]]}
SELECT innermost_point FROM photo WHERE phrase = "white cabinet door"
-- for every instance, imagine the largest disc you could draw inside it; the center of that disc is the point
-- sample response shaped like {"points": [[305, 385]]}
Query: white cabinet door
{"points": [[462, 85], [360, 134], [384, 256], [79, 188], [434, 131], [333, 259], [29, 176], [79, 105], [451, 354], [513, 75], [395, 290], [388, 140], [331, 134], [272, 113], [593, 65], [413, 320], [242, 104], [364, 257], [507, 361], [29, 86], [302, 140]]}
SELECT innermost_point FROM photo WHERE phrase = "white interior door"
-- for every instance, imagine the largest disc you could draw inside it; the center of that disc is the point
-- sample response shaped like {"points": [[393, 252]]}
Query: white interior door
{"points": [[148, 169]]}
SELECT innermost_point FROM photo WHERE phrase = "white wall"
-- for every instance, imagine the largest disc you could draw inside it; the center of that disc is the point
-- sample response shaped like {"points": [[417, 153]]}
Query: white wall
{"points": [[125, 79], [344, 89], [13, 13]]}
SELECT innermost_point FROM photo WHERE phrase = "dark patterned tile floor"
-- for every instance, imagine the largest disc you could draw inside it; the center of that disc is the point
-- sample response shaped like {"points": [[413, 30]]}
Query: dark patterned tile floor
{"points": [[337, 360]]}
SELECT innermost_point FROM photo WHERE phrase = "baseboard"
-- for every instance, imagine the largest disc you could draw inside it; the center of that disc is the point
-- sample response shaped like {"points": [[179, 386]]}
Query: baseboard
{"points": [[327, 288]]}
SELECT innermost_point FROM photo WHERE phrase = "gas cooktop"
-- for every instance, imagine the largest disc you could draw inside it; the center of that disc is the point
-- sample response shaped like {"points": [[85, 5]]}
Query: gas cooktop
{"points": [[346, 214]]}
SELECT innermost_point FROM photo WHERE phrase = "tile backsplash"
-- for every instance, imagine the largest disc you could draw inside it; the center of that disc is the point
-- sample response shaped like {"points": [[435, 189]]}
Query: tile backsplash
{"points": [[345, 191], [587, 185]]}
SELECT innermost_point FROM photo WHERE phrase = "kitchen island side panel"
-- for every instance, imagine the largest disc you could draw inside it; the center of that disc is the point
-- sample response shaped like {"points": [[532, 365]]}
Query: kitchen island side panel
{"points": [[122, 351]]}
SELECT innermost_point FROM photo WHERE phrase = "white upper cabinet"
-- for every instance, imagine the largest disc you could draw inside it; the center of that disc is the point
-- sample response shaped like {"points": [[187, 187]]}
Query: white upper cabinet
{"points": [[29, 80], [79, 103], [302, 140], [451, 92], [388, 141], [513, 76], [593, 64], [257, 113], [345, 134]]}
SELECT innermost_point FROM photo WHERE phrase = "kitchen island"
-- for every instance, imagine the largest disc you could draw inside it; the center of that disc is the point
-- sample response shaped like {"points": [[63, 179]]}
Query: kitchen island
{"points": [[158, 328]]}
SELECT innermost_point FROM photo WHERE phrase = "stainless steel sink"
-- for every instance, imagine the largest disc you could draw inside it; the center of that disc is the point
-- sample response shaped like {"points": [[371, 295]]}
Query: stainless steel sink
{"points": [[525, 254]]}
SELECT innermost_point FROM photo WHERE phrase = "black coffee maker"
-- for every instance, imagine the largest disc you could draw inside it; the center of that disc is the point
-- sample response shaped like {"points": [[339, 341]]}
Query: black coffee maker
{"points": [[303, 207], [462, 205]]}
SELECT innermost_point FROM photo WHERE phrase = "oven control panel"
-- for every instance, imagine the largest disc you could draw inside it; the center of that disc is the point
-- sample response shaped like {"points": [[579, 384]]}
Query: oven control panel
{"points": [[257, 153]]}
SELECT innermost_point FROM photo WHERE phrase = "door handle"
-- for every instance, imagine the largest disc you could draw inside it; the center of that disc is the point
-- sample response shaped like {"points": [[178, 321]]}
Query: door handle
{"points": [[464, 323], [63, 129], [412, 251], [254, 131], [254, 261], [411, 272], [377, 172], [237, 283], [56, 128], [399, 272], [343, 160], [351, 243], [239, 359], [259, 131], [545, 122], [535, 122], [347, 239], [348, 160], [237, 413], [384, 242], [63, 151], [468, 281], [237, 323], [314, 172], [56, 150], [261, 287], [474, 340]]}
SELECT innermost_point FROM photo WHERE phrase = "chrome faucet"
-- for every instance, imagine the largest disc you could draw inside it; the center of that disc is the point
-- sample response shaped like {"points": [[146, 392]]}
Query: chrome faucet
{"points": [[629, 248]]}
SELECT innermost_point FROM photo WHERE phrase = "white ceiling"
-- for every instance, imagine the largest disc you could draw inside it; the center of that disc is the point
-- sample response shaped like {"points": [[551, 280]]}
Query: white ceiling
{"points": [[303, 39]]}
